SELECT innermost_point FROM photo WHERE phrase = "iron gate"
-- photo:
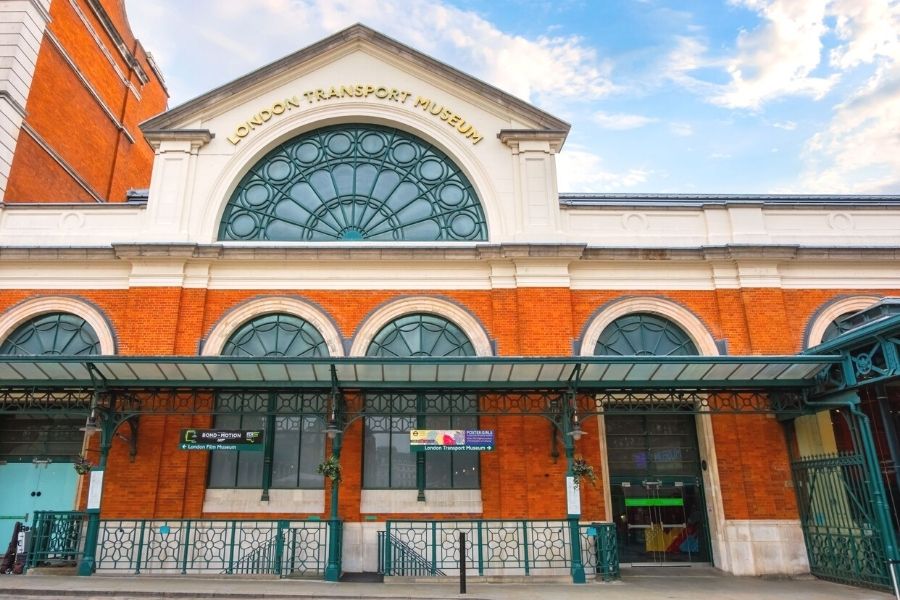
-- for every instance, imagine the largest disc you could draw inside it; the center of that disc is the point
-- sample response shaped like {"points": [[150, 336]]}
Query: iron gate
{"points": [[844, 539]]}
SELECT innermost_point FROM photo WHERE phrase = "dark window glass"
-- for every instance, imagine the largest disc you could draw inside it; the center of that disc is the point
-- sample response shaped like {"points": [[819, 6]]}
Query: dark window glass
{"points": [[298, 442], [354, 183], [388, 460]]}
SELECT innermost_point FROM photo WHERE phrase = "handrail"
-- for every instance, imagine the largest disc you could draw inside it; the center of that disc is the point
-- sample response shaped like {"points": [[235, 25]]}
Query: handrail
{"points": [[407, 554]]}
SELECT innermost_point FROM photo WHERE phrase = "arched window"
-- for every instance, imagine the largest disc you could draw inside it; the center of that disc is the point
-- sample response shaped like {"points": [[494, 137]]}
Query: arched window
{"points": [[644, 334], [298, 441], [648, 444], [354, 183], [29, 437], [420, 335], [52, 333], [837, 327], [389, 464]]}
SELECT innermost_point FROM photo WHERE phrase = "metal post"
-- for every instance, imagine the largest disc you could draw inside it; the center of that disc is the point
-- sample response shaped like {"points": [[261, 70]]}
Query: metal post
{"points": [[268, 447], [420, 456], [333, 568], [879, 497], [462, 562], [577, 569], [92, 534], [892, 567]]}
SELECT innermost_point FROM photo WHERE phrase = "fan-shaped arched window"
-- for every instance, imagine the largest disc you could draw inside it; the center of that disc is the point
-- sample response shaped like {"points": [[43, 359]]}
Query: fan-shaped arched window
{"points": [[52, 333], [420, 335], [388, 460], [298, 441], [354, 183], [644, 334], [276, 335], [27, 437]]}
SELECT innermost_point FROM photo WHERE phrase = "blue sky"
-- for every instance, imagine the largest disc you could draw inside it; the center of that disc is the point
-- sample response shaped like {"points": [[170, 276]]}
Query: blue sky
{"points": [[701, 96]]}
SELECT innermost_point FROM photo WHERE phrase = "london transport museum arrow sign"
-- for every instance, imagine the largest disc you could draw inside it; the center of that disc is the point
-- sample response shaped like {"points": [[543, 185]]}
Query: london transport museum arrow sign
{"points": [[222, 439], [450, 440]]}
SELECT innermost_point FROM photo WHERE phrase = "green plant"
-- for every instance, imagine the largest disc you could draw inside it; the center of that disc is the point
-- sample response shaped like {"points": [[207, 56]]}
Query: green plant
{"points": [[331, 469], [581, 471], [82, 466]]}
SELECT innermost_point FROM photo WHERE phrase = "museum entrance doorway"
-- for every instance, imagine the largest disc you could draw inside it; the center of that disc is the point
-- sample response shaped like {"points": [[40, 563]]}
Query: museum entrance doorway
{"points": [[656, 489]]}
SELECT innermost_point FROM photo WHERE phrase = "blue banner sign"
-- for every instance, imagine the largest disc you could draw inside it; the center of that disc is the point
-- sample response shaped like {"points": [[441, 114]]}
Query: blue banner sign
{"points": [[451, 440]]}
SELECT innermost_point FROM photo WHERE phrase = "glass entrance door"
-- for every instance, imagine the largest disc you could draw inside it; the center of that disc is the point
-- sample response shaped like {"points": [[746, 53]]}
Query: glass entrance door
{"points": [[656, 489], [659, 521]]}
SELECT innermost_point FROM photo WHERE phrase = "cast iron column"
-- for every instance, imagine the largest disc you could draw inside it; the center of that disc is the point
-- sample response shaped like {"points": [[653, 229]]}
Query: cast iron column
{"points": [[92, 533], [574, 529], [333, 568]]}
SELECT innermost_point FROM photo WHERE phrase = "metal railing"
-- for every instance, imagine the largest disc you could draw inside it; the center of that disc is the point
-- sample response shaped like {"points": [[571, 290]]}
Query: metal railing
{"points": [[431, 548], [56, 538], [280, 548], [405, 560]]}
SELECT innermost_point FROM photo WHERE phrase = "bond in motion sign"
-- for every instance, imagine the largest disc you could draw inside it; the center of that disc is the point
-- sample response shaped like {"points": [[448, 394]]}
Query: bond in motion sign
{"points": [[451, 440], [222, 439]]}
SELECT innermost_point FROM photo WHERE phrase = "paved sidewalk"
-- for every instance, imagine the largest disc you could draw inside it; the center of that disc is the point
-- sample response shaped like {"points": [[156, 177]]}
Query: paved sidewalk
{"points": [[636, 584]]}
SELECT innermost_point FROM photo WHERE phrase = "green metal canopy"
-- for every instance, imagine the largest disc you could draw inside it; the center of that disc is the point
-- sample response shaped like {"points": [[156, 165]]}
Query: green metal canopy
{"points": [[606, 372]]}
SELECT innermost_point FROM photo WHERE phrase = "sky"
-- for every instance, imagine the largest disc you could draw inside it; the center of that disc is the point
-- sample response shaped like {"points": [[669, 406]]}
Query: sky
{"points": [[664, 96]]}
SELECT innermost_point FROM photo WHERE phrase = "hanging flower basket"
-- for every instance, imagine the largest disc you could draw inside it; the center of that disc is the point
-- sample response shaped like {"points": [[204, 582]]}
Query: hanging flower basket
{"points": [[582, 471], [331, 469], [82, 466]]}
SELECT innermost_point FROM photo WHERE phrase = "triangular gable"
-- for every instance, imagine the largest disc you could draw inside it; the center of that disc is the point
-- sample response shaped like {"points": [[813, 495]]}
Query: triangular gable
{"points": [[356, 34]]}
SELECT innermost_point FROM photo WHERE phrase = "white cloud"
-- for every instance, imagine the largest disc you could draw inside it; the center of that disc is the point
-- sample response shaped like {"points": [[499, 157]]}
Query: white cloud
{"points": [[719, 156], [621, 121], [786, 125], [251, 32], [681, 129], [580, 170], [859, 150], [778, 58]]}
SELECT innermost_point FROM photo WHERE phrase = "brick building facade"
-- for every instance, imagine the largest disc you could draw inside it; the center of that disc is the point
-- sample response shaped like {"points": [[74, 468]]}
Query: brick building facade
{"points": [[75, 78], [301, 198]]}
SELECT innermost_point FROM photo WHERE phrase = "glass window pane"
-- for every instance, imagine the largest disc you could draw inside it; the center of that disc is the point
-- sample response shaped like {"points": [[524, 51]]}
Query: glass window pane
{"points": [[285, 457], [465, 470], [222, 467], [312, 452], [377, 450], [403, 461], [437, 470], [250, 468]]}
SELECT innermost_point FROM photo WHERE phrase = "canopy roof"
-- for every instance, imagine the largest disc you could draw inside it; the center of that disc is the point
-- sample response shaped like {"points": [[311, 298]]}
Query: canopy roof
{"points": [[606, 372]]}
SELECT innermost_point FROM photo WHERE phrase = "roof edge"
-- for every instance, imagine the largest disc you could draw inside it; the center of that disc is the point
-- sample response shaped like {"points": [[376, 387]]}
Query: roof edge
{"points": [[354, 33]]}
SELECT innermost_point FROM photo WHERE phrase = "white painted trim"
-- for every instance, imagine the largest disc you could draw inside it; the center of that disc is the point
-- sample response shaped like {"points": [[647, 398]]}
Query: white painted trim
{"points": [[239, 315], [248, 501], [297, 122], [405, 502], [832, 311], [20, 313], [418, 304]]}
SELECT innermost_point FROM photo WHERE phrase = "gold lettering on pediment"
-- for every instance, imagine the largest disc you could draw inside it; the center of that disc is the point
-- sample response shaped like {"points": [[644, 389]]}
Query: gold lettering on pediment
{"points": [[363, 91]]}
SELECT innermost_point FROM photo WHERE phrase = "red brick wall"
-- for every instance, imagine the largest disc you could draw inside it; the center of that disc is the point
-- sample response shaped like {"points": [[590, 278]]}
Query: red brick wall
{"points": [[520, 479], [70, 120]]}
